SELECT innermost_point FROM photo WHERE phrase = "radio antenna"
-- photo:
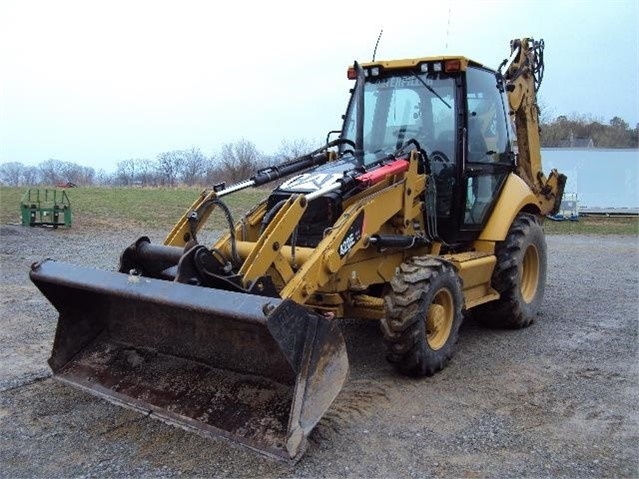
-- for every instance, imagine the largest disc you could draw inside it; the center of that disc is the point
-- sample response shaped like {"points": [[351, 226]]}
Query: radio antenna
{"points": [[448, 27], [377, 44]]}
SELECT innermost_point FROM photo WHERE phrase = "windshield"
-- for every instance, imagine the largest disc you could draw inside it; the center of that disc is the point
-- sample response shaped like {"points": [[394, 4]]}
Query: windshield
{"points": [[404, 106]]}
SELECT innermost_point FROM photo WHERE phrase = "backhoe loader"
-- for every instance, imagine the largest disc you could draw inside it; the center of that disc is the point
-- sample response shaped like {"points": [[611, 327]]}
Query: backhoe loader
{"points": [[427, 204]]}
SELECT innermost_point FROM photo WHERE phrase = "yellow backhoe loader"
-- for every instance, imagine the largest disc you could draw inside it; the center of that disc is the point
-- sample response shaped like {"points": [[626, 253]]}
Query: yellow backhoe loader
{"points": [[425, 206]]}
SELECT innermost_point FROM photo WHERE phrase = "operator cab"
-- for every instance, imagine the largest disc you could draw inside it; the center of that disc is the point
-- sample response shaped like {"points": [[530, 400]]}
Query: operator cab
{"points": [[456, 110]]}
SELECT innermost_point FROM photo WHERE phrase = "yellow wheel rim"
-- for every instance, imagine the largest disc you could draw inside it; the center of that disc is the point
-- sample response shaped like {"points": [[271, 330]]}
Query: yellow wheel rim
{"points": [[439, 320], [529, 274]]}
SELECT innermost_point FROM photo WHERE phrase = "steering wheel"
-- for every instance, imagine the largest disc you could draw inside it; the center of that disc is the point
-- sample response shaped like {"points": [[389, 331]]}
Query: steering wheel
{"points": [[438, 156], [408, 130]]}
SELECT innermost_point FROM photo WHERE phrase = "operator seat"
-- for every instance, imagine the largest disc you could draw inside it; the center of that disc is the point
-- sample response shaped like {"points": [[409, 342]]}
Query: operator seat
{"points": [[443, 171]]}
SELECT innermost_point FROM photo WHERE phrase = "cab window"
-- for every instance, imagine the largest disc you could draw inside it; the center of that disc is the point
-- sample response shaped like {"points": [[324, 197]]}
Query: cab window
{"points": [[488, 140]]}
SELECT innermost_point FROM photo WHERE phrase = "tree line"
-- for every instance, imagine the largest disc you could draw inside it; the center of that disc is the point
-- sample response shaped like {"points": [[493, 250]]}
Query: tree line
{"points": [[237, 161], [616, 134], [234, 162]]}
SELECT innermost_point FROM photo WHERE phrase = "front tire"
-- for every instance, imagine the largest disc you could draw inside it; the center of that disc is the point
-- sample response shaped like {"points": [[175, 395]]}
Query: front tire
{"points": [[423, 313], [519, 276]]}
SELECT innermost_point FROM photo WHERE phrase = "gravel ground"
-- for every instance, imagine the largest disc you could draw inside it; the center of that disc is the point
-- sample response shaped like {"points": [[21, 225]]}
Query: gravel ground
{"points": [[558, 399]]}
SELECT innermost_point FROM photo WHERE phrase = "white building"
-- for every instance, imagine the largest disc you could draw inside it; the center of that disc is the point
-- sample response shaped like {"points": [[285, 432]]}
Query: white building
{"points": [[601, 178]]}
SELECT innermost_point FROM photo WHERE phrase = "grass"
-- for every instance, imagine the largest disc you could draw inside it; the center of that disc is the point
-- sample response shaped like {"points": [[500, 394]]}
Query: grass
{"points": [[594, 225], [160, 208], [157, 208]]}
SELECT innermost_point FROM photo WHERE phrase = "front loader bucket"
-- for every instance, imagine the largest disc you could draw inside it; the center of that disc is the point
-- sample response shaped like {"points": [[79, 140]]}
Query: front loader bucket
{"points": [[259, 371]]}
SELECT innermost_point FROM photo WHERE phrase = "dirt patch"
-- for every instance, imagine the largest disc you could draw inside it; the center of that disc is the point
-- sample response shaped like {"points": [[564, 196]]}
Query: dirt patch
{"points": [[557, 399]]}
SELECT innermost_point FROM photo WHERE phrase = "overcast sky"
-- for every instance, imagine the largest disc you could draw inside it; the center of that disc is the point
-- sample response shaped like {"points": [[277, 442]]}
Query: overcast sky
{"points": [[100, 82]]}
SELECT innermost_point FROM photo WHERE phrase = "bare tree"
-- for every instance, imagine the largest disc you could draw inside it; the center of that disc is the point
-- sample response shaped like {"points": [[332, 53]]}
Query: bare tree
{"points": [[11, 174], [192, 165], [146, 172], [52, 171], [30, 176], [546, 113], [168, 167], [104, 178], [239, 160], [212, 171], [290, 149], [77, 174], [125, 172]]}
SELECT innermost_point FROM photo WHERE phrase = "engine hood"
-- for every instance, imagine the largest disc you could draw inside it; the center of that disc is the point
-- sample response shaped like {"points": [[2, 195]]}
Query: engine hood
{"points": [[319, 177]]}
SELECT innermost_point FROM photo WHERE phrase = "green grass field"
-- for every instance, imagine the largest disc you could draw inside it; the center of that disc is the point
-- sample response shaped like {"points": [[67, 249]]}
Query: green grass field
{"points": [[160, 208], [594, 225], [157, 208]]}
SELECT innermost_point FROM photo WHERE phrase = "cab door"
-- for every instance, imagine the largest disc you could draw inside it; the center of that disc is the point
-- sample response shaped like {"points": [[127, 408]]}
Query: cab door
{"points": [[488, 156]]}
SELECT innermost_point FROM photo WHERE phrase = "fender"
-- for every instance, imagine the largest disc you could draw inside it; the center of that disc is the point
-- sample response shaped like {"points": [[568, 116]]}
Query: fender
{"points": [[515, 196]]}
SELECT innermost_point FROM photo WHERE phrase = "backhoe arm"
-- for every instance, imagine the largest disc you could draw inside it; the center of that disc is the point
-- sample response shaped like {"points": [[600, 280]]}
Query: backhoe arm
{"points": [[523, 73]]}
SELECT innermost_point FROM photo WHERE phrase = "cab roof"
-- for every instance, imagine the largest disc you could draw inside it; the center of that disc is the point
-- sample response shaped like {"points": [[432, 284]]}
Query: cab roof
{"points": [[412, 62]]}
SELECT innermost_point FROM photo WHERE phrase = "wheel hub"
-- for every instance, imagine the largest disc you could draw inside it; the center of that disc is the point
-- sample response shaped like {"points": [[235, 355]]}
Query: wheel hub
{"points": [[439, 319], [529, 276]]}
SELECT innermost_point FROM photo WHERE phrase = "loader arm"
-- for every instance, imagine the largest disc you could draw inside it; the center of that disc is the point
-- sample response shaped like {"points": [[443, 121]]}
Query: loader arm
{"points": [[523, 73], [397, 197], [267, 250], [183, 230], [399, 200]]}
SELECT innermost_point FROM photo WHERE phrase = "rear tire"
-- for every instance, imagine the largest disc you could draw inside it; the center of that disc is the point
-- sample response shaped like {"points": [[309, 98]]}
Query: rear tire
{"points": [[423, 313], [519, 276]]}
